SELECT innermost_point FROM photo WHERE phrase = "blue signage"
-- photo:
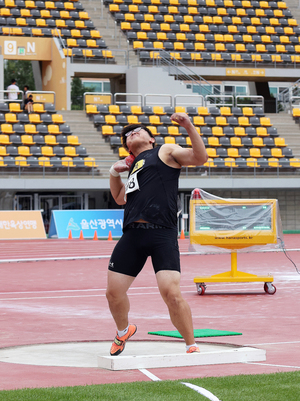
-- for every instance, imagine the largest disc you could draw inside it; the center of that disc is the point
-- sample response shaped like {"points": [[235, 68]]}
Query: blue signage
{"points": [[87, 221]]}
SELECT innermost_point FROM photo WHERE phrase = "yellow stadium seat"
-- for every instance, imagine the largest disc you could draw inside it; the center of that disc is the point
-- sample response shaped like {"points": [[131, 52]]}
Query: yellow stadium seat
{"points": [[27, 140], [239, 131], [91, 109], [262, 131], [296, 112], [3, 151], [50, 5], [236, 142], [5, 12], [230, 162], [169, 140], [44, 161], [95, 34], [279, 142], [11, 118], [90, 162], [2, 162], [236, 57], [38, 108], [34, 118], [233, 152], [213, 141], [57, 119], [24, 151], [70, 6], [37, 32], [110, 119], [203, 111], [257, 142], [276, 58], [155, 120], [241, 12], [211, 152], [199, 120], [292, 22], [50, 140], [30, 129], [221, 121], [67, 161], [173, 130], [53, 129], [21, 161], [114, 109], [252, 162], [29, 4], [158, 110], [132, 119], [136, 110], [123, 152], [107, 130], [225, 111], [240, 48], [282, 5], [4, 140], [295, 162], [70, 151], [276, 152], [75, 33], [244, 121], [265, 122], [217, 131], [7, 129], [248, 112], [255, 152], [274, 162], [15, 108], [21, 21], [47, 151], [71, 42], [83, 15]]}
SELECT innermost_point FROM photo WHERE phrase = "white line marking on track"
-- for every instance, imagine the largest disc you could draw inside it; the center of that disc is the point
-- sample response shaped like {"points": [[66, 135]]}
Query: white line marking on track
{"points": [[283, 342], [150, 375], [271, 364]]}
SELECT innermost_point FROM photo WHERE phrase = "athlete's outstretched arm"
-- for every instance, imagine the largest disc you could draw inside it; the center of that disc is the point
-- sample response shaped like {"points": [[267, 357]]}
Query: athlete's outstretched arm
{"points": [[197, 154]]}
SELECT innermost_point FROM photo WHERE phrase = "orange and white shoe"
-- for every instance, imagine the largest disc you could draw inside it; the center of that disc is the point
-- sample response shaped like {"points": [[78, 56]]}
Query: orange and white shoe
{"points": [[119, 342], [193, 349]]}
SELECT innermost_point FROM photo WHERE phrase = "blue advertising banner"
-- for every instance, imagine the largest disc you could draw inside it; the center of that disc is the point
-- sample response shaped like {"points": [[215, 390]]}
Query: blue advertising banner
{"points": [[89, 221]]}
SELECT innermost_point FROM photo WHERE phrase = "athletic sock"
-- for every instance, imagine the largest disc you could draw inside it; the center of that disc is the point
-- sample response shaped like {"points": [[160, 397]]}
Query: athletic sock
{"points": [[189, 346], [122, 333]]}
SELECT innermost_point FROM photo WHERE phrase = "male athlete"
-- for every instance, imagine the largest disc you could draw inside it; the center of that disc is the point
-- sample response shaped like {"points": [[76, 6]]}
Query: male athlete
{"points": [[150, 225]]}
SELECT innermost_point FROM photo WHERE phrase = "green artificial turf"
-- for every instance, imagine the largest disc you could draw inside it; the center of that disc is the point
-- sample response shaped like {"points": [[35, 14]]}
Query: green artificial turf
{"points": [[197, 333], [268, 387]]}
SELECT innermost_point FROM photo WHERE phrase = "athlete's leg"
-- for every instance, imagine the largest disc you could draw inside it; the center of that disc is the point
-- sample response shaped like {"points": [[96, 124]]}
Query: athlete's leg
{"points": [[116, 294], [180, 313]]}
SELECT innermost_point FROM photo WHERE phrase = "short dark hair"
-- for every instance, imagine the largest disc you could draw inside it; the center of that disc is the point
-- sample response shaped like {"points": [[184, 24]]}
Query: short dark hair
{"points": [[131, 127], [13, 80]]}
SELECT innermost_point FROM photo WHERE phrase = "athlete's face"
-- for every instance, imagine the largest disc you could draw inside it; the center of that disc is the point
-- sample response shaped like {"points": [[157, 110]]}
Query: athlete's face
{"points": [[138, 136]]}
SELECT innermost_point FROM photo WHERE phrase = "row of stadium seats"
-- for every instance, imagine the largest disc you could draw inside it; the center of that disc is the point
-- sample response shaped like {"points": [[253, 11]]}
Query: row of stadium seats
{"points": [[252, 162], [32, 118], [264, 132], [28, 140], [111, 119], [33, 129], [48, 32], [15, 107], [44, 14], [31, 4], [89, 54], [45, 23], [207, 3], [47, 150], [169, 110], [44, 161]]}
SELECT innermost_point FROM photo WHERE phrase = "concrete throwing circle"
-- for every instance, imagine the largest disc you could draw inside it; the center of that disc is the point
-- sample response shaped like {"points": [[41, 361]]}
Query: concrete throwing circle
{"points": [[137, 354]]}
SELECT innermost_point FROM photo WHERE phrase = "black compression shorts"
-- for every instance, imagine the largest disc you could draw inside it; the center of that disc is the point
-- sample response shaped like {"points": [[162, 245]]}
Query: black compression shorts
{"points": [[136, 244]]}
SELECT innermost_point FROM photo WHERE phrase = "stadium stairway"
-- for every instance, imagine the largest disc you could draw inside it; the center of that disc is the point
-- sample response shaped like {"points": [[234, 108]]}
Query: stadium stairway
{"points": [[114, 38], [91, 139], [287, 129]]}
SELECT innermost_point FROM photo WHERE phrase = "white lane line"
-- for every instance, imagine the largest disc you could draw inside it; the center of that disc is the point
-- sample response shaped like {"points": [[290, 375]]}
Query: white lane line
{"points": [[270, 364], [278, 343], [198, 389], [150, 375]]}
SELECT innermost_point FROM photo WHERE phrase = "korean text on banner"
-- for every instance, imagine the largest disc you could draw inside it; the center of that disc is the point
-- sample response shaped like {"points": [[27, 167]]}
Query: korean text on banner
{"points": [[87, 221], [23, 224]]}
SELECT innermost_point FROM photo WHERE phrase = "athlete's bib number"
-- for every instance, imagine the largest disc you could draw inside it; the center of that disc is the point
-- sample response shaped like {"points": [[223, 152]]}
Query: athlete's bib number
{"points": [[132, 184]]}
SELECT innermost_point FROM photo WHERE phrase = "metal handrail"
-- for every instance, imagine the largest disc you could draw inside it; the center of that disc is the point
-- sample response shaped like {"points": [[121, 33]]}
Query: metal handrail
{"points": [[139, 95], [96, 94], [256, 97], [221, 100], [147, 95], [10, 100], [200, 97]]}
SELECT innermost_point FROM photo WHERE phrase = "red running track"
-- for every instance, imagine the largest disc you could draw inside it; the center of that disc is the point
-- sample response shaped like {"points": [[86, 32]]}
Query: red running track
{"points": [[64, 300]]}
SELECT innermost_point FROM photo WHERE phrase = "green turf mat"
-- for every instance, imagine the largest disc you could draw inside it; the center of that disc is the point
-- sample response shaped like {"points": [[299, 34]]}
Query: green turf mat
{"points": [[197, 333]]}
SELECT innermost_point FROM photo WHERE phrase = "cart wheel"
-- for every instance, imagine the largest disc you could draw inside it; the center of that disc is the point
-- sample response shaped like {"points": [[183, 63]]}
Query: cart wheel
{"points": [[270, 288], [201, 288]]}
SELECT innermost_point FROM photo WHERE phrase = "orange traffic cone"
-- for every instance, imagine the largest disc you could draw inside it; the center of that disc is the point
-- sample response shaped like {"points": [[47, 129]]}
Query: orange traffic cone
{"points": [[81, 235], [95, 236], [182, 235], [70, 235], [109, 237]]}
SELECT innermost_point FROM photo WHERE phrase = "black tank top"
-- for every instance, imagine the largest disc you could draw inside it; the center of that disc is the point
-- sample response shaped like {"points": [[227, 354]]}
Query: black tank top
{"points": [[152, 190]]}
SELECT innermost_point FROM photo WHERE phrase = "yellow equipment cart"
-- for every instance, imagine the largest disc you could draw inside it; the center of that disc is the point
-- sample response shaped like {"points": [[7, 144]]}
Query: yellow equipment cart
{"points": [[233, 224]]}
